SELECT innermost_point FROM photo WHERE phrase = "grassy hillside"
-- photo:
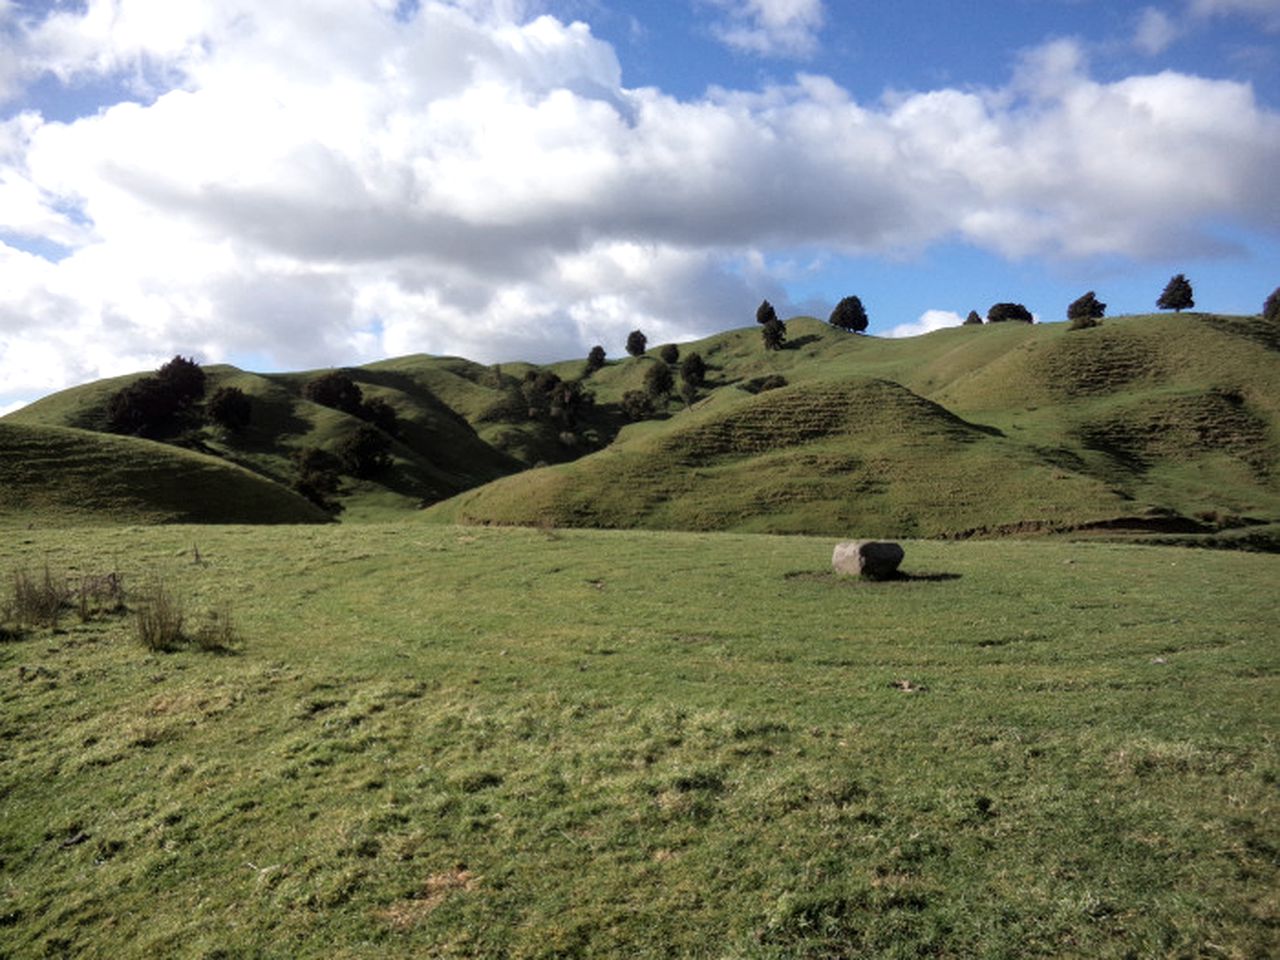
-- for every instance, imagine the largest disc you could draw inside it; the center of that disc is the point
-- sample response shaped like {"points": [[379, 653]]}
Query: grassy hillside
{"points": [[1147, 423], [1164, 424], [453, 742], [59, 475]]}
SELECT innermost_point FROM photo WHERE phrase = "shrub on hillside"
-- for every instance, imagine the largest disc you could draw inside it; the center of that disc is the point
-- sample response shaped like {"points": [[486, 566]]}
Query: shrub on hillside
{"points": [[658, 382], [316, 477], [337, 390], [693, 370], [766, 314], [850, 315], [1085, 312], [972, 318], [1271, 307], [637, 405], [669, 353], [382, 415], [229, 408], [595, 359], [636, 343], [182, 379], [1003, 312], [157, 406], [763, 384], [365, 451], [774, 335], [1177, 295]]}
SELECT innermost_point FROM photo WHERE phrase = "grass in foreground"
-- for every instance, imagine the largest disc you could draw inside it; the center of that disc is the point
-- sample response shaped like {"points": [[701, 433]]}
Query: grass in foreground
{"points": [[476, 742]]}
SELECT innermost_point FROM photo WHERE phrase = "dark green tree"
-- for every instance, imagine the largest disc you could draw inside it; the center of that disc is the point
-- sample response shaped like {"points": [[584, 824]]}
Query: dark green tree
{"points": [[774, 334], [229, 408], [182, 379], [595, 359], [693, 369], [1271, 307], [765, 313], [382, 415], [636, 405], [337, 390], [365, 451], [658, 382], [972, 318], [849, 315], [1086, 311], [669, 353], [316, 477], [1002, 312], [158, 406], [636, 342], [1177, 295]]}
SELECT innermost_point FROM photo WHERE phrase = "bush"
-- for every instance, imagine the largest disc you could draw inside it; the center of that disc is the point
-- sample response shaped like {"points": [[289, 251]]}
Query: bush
{"points": [[774, 335], [365, 451], [1002, 312], [763, 384], [669, 353], [316, 477], [157, 406], [637, 405], [972, 318], [1085, 312], [1271, 307], [766, 314], [1177, 295], [693, 370], [337, 390], [636, 343], [658, 382], [183, 380], [382, 415], [595, 359], [229, 408], [849, 314]]}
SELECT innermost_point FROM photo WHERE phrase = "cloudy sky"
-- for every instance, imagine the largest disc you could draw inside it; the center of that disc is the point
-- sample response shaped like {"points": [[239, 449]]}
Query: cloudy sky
{"points": [[289, 185]]}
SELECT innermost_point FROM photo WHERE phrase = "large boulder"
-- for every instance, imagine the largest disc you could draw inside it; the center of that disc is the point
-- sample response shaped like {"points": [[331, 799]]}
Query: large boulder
{"points": [[873, 559]]}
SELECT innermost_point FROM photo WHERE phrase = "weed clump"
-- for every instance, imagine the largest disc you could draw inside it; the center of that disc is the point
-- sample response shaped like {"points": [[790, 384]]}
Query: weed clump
{"points": [[159, 619], [38, 601]]}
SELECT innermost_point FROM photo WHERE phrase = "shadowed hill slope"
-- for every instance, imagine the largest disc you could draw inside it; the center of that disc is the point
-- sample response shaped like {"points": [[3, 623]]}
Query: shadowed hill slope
{"points": [[65, 475]]}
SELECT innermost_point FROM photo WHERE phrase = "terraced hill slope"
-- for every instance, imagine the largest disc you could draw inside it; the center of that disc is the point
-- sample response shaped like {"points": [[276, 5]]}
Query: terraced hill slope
{"points": [[1156, 423], [61, 475]]}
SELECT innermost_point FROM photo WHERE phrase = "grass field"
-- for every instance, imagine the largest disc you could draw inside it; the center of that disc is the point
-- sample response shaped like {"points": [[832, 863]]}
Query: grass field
{"points": [[480, 742]]}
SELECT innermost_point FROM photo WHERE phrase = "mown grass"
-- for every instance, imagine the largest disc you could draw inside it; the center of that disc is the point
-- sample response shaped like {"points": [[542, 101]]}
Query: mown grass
{"points": [[446, 741]]}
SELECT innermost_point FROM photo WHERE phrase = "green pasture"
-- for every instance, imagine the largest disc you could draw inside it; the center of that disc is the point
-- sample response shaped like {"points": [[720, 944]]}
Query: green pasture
{"points": [[479, 742]]}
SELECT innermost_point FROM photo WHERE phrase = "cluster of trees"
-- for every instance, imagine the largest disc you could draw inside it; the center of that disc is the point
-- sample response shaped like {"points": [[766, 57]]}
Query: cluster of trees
{"points": [[337, 390], [557, 401], [166, 404], [159, 405]]}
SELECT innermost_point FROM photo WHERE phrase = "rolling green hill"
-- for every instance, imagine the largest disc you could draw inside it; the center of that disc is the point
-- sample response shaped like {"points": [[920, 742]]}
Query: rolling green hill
{"points": [[61, 475], [1165, 425]]}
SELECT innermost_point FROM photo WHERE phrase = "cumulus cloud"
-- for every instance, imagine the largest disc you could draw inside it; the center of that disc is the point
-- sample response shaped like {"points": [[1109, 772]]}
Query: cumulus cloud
{"points": [[364, 179], [929, 321], [785, 28]]}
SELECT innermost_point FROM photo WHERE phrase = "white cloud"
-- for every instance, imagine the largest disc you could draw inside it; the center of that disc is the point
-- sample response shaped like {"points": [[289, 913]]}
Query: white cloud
{"points": [[1156, 32], [1268, 11], [784, 28], [929, 321], [338, 185]]}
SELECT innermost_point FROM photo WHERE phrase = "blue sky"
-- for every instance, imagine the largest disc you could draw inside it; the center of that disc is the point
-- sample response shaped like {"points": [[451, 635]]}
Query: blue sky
{"points": [[296, 186]]}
